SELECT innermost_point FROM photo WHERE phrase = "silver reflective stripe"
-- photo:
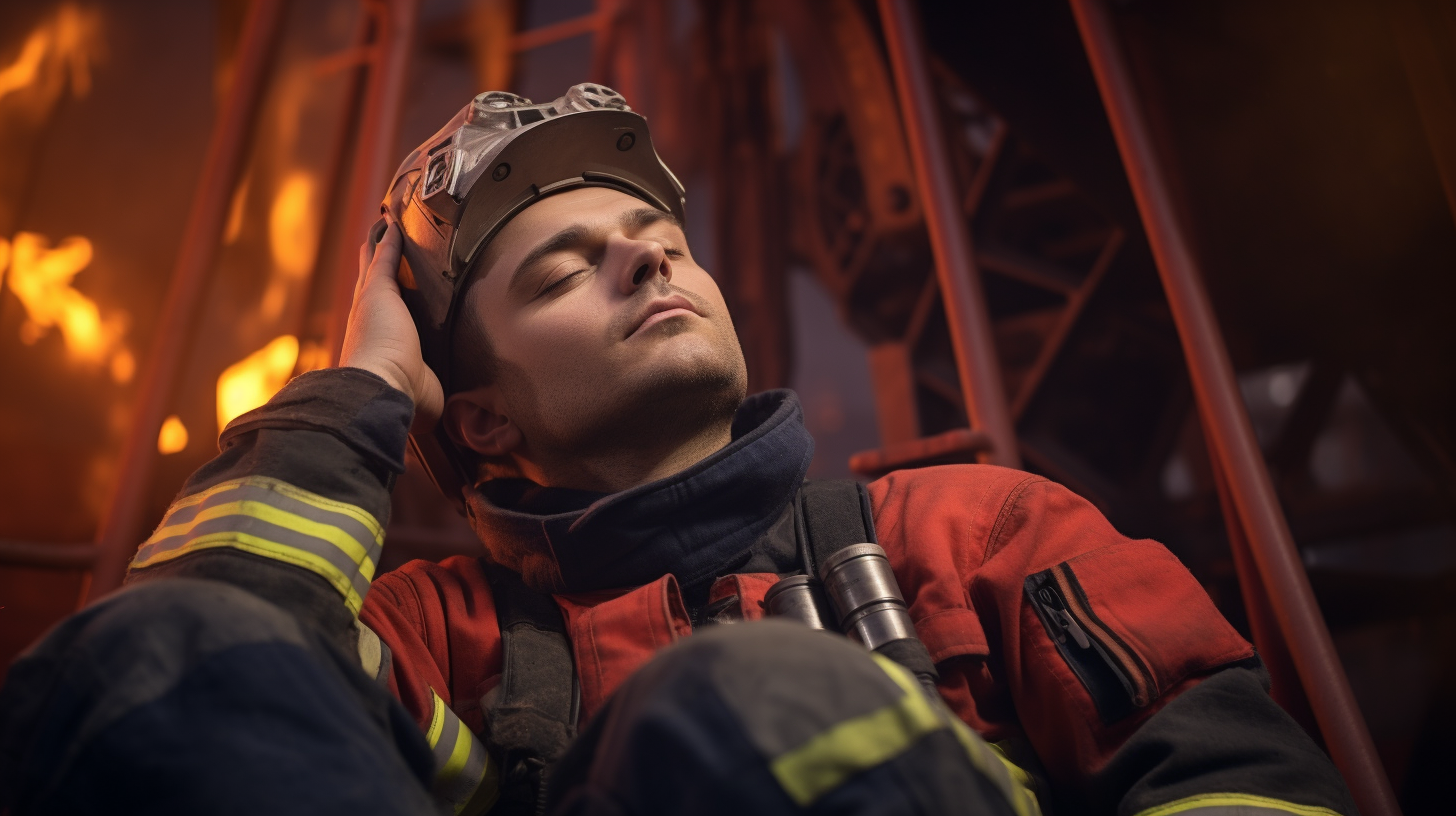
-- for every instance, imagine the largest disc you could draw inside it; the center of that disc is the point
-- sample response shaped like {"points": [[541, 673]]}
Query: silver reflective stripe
{"points": [[274, 519], [465, 778]]}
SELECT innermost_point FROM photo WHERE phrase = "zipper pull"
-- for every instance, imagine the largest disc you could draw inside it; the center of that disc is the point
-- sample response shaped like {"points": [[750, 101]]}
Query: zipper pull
{"points": [[1070, 624], [1053, 604]]}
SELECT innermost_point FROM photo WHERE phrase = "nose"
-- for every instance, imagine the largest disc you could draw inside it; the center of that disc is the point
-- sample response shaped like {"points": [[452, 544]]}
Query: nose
{"points": [[641, 262]]}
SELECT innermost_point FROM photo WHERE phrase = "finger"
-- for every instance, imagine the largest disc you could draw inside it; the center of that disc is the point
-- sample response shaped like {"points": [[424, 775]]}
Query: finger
{"points": [[366, 254], [371, 240], [385, 264], [366, 251]]}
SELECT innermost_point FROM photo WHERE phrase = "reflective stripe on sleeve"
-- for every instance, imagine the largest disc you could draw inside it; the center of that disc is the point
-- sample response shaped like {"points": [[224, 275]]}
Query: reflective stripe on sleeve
{"points": [[465, 778], [827, 760], [1234, 804], [276, 520]]}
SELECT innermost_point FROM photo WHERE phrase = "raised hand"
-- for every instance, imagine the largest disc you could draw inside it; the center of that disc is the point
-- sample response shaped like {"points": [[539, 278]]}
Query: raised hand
{"points": [[381, 336]]}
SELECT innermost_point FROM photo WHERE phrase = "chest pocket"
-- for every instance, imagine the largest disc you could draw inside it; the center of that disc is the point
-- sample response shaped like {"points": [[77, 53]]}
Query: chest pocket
{"points": [[1131, 622]]}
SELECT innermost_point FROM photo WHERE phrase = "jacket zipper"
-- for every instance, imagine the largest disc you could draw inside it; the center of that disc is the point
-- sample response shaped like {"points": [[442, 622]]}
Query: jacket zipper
{"points": [[1111, 672], [1130, 669]]}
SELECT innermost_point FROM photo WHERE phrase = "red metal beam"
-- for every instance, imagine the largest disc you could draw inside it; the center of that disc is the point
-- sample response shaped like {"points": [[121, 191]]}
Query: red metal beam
{"points": [[965, 304], [48, 555], [122, 528], [1284, 684], [375, 155], [1418, 38], [958, 445], [1229, 432], [556, 32]]}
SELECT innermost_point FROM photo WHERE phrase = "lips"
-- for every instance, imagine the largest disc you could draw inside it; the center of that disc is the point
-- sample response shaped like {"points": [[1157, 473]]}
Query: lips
{"points": [[672, 303]]}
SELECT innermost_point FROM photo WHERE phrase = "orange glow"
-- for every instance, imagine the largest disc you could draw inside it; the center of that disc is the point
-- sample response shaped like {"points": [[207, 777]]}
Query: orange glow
{"points": [[312, 357], [67, 42], [173, 437], [252, 381], [75, 31], [40, 276], [239, 203], [26, 67], [58, 53], [123, 366], [292, 231]]}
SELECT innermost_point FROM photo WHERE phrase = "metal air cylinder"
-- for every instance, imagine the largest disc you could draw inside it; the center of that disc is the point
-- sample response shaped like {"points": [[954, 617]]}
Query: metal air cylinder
{"points": [[799, 598], [862, 588]]}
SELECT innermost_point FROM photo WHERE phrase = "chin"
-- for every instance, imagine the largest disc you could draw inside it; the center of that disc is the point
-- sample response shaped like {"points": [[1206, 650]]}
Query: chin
{"points": [[693, 384], [681, 392]]}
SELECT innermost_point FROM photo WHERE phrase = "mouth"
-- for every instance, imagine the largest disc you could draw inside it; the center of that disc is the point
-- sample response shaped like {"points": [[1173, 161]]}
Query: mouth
{"points": [[662, 309]]}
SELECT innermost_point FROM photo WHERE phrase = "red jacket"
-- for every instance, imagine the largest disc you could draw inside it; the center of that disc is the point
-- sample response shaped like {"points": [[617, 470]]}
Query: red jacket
{"points": [[961, 539], [1011, 581]]}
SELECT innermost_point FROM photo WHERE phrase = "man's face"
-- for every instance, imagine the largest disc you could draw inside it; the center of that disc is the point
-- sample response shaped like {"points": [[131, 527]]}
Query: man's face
{"points": [[604, 328]]}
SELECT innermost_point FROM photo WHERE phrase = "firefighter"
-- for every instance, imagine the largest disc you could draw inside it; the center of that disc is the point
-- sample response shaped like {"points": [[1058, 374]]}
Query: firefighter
{"points": [[530, 319]]}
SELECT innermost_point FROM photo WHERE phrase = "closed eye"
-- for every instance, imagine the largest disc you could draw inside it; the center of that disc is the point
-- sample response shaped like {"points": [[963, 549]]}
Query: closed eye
{"points": [[668, 251], [563, 279]]}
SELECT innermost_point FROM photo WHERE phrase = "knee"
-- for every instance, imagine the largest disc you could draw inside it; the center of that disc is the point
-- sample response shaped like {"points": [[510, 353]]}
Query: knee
{"points": [[770, 669], [126, 651], [158, 622]]}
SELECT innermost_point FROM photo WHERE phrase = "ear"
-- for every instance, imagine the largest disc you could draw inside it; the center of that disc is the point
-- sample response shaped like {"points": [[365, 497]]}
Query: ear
{"points": [[472, 422]]}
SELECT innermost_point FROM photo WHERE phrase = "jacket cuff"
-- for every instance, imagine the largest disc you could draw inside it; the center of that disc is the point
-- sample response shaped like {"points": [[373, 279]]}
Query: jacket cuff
{"points": [[356, 406]]}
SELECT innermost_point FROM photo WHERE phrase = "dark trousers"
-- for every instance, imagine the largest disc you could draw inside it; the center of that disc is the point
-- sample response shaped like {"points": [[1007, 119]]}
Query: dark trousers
{"points": [[187, 696]]}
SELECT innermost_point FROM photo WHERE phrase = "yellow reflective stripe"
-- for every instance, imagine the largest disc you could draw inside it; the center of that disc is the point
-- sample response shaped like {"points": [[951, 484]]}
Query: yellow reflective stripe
{"points": [[253, 508], [1015, 783], [268, 549], [289, 490], [1232, 800], [458, 754], [1018, 774], [437, 720], [827, 759], [466, 779], [1003, 773], [345, 556]]}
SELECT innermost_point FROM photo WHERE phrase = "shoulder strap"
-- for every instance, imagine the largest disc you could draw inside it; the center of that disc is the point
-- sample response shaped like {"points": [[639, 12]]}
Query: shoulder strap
{"points": [[833, 514], [530, 719]]}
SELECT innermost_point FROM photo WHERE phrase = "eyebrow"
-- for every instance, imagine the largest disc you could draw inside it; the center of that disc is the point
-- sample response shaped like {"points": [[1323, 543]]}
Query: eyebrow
{"points": [[576, 234]]}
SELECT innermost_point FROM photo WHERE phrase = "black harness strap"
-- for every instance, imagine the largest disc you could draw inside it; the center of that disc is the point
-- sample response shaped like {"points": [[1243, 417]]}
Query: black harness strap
{"points": [[834, 514], [530, 719]]}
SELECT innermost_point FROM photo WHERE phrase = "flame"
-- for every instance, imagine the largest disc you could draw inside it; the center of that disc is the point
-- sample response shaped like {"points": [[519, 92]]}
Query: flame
{"points": [[123, 366], [292, 233], [292, 240], [58, 53], [253, 380], [26, 67], [173, 437], [40, 276], [69, 41], [313, 356]]}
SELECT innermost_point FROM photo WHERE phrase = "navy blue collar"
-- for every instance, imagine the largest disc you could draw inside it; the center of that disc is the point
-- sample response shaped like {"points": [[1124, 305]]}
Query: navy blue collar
{"points": [[695, 524]]}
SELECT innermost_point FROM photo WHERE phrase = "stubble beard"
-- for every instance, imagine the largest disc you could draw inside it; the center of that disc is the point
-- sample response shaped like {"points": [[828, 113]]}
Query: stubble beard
{"points": [[656, 413]]}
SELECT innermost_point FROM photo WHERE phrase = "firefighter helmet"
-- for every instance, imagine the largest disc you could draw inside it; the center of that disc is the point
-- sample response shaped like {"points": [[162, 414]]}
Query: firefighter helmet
{"points": [[496, 157]]}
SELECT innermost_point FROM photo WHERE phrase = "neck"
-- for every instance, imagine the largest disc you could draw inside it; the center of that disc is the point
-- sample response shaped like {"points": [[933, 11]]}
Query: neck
{"points": [[639, 460]]}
